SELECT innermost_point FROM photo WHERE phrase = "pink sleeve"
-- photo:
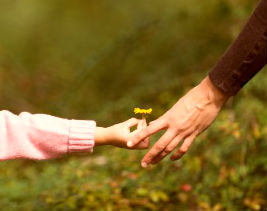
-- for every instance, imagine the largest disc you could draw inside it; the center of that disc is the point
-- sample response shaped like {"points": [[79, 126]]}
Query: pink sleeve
{"points": [[41, 136]]}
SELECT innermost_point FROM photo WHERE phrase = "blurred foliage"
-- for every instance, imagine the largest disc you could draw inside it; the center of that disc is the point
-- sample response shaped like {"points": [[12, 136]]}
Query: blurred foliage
{"points": [[100, 59]]}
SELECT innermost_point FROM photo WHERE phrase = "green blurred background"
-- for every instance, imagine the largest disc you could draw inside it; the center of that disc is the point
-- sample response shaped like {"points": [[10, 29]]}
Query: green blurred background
{"points": [[100, 59]]}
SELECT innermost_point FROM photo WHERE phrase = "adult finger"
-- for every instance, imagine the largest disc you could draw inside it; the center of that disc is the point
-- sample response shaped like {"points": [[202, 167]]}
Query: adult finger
{"points": [[184, 147], [144, 144], [158, 147], [145, 132], [168, 149], [141, 145]]}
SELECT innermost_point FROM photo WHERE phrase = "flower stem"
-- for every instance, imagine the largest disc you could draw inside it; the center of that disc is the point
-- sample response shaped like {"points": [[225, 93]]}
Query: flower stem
{"points": [[143, 116]]}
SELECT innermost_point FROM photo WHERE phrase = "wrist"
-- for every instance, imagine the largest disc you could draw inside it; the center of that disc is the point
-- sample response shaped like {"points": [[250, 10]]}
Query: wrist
{"points": [[101, 136], [213, 93]]}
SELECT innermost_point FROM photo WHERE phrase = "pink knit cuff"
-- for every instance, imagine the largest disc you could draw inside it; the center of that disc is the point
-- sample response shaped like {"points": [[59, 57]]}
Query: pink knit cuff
{"points": [[81, 136]]}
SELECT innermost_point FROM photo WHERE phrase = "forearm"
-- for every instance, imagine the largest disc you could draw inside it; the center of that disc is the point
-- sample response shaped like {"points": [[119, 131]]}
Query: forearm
{"points": [[42, 136], [245, 57]]}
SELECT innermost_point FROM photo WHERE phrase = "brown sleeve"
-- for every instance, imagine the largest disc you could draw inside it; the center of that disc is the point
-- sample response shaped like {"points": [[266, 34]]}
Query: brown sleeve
{"points": [[245, 57]]}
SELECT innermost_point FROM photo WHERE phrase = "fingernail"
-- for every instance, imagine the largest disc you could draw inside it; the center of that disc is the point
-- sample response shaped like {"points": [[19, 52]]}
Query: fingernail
{"points": [[129, 143], [144, 164]]}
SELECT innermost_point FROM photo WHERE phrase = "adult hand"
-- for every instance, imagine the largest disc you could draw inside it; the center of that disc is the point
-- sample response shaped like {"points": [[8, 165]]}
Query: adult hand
{"points": [[190, 116]]}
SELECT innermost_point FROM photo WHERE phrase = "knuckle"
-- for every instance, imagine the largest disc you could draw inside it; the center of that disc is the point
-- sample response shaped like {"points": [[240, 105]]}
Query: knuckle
{"points": [[133, 119], [152, 157], [168, 149], [148, 158], [163, 154], [159, 147], [172, 120], [178, 129], [172, 132]]}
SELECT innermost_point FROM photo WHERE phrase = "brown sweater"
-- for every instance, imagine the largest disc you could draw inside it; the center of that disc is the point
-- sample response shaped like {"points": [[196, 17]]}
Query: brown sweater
{"points": [[245, 57]]}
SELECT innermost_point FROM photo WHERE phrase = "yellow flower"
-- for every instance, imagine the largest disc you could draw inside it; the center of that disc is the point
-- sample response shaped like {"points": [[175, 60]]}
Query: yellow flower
{"points": [[142, 111]]}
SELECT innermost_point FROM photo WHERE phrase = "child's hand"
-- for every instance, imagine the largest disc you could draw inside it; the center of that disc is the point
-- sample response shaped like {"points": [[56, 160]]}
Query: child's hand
{"points": [[119, 134]]}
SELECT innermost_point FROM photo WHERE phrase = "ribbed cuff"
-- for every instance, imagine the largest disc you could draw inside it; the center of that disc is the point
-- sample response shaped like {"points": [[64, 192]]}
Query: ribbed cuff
{"points": [[81, 136]]}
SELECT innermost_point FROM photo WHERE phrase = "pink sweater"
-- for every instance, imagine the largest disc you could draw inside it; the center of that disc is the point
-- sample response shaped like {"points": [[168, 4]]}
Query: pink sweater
{"points": [[41, 136]]}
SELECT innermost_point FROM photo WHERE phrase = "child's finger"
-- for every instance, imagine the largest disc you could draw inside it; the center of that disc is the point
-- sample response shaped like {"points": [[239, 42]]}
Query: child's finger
{"points": [[132, 122], [139, 125], [144, 144], [144, 123]]}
